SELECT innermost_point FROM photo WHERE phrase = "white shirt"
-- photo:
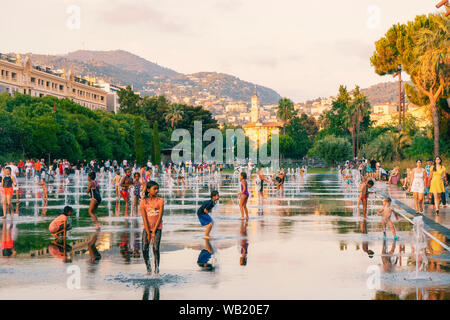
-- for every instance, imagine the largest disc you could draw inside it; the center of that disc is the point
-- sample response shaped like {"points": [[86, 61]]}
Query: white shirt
{"points": [[14, 170]]}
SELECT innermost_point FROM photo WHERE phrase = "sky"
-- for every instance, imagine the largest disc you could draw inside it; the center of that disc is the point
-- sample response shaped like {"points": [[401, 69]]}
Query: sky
{"points": [[301, 49]]}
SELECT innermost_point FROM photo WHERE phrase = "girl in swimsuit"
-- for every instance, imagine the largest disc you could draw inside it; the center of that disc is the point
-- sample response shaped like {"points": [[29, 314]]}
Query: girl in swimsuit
{"points": [[93, 191], [243, 195], [137, 190], [7, 184], [116, 183], [152, 210]]}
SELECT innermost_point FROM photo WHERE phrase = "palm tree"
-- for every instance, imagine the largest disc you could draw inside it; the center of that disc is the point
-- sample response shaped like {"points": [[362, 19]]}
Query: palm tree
{"points": [[399, 142], [285, 111], [174, 115], [350, 123], [361, 106]]}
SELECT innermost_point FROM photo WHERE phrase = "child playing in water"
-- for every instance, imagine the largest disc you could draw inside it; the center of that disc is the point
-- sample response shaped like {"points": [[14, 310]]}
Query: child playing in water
{"points": [[243, 195], [347, 178], [386, 213], [59, 226], [44, 188], [125, 184], [93, 191], [8, 183], [116, 183], [137, 182], [152, 210], [364, 196], [203, 213]]}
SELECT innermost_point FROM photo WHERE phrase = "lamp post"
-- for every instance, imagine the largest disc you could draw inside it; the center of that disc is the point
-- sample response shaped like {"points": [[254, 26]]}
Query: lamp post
{"points": [[399, 74]]}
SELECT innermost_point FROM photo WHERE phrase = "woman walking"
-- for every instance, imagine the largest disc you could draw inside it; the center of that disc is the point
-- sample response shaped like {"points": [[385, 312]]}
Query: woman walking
{"points": [[437, 173], [417, 184]]}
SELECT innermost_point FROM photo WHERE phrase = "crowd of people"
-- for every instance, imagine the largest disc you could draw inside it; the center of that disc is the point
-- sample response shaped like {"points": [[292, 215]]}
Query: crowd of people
{"points": [[137, 185], [132, 184], [423, 183]]}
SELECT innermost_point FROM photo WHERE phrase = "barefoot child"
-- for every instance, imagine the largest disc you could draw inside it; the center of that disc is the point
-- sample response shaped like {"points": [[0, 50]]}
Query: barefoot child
{"points": [[152, 210], [243, 195], [203, 213], [386, 213], [364, 196], [93, 191], [8, 183], [59, 226], [44, 188], [116, 183], [125, 184], [137, 182]]}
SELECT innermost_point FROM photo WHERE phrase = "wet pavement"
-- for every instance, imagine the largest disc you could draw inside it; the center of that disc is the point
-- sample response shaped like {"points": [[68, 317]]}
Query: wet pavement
{"points": [[307, 243]]}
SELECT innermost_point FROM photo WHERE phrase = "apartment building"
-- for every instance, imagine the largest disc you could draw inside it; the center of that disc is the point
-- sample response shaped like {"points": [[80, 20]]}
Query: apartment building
{"points": [[20, 75]]}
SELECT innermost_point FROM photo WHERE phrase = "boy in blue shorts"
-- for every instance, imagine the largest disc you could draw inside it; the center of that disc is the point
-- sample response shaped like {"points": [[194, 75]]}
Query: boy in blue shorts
{"points": [[203, 213]]}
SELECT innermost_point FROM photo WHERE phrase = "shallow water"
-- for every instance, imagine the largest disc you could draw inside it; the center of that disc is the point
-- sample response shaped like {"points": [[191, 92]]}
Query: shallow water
{"points": [[307, 243]]}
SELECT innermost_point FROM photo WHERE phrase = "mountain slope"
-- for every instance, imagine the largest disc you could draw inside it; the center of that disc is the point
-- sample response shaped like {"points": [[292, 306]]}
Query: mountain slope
{"points": [[124, 68], [386, 92], [123, 60]]}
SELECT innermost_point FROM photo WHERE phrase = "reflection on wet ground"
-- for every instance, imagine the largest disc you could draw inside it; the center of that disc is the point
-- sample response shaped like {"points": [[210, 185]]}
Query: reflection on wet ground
{"points": [[307, 243]]}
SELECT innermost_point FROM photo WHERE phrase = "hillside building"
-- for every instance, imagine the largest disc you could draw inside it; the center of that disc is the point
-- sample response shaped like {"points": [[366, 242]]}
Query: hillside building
{"points": [[17, 75], [257, 131]]}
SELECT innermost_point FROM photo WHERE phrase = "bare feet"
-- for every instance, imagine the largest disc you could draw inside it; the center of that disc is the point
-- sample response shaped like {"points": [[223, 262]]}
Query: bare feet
{"points": [[207, 237]]}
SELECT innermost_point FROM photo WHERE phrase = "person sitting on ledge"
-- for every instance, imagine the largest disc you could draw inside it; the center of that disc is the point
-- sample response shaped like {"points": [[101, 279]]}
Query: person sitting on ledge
{"points": [[394, 176]]}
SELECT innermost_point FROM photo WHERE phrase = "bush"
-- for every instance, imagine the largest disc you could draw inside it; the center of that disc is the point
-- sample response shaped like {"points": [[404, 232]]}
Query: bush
{"points": [[421, 147], [332, 149]]}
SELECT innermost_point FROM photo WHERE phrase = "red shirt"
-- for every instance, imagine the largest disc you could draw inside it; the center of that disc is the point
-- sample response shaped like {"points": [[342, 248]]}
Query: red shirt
{"points": [[21, 164]]}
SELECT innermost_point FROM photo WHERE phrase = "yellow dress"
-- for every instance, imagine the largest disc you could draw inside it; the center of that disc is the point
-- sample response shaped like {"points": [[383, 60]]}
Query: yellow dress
{"points": [[437, 185]]}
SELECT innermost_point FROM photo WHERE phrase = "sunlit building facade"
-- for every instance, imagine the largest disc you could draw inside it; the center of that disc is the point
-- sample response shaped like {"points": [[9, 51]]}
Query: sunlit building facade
{"points": [[20, 75]]}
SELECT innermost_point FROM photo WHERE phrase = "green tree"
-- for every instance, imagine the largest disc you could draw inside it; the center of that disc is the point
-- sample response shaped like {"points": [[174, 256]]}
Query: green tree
{"points": [[138, 142], [302, 130], [387, 147], [174, 115], [336, 120], [129, 101], [361, 108], [285, 111], [422, 47], [156, 154], [332, 149]]}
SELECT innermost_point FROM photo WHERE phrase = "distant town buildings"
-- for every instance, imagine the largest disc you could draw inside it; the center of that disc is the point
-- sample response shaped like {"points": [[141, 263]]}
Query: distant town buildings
{"points": [[384, 113], [315, 108], [112, 95], [259, 132], [20, 75]]}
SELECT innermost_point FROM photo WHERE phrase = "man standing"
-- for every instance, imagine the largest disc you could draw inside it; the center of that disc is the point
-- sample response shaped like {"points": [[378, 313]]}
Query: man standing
{"points": [[21, 166], [37, 168]]}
